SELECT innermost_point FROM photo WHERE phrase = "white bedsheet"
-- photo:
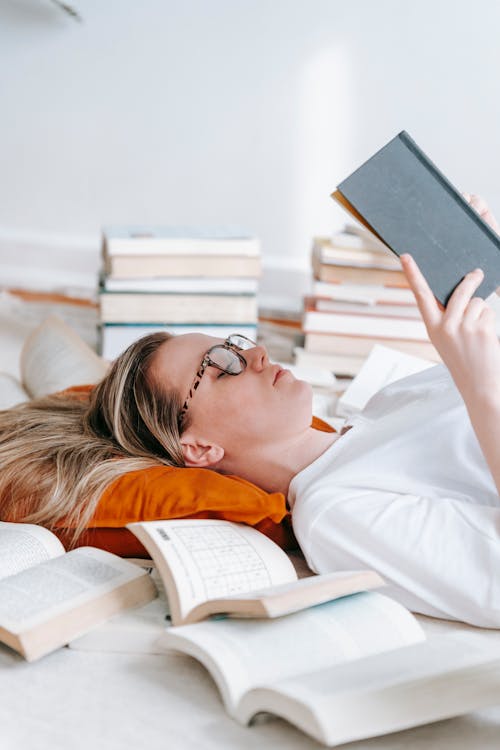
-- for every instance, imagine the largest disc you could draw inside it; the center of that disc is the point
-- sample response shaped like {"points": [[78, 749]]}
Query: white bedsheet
{"points": [[75, 700]]}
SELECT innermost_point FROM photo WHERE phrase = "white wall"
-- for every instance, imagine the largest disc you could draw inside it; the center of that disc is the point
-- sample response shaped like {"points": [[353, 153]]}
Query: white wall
{"points": [[227, 111]]}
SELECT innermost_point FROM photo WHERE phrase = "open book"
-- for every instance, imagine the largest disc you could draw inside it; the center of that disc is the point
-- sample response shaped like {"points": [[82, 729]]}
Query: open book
{"points": [[340, 662], [53, 357], [214, 567], [383, 366], [348, 669], [49, 596], [136, 631]]}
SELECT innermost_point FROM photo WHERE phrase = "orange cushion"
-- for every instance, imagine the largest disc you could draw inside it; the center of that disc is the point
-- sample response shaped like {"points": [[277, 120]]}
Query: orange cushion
{"points": [[163, 492]]}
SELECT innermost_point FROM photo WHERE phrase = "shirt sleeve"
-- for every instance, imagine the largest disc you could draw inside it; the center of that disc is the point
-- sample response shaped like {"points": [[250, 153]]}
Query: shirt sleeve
{"points": [[440, 557]]}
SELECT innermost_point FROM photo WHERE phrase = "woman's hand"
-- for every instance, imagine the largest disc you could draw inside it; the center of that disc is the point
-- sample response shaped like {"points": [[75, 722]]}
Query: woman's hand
{"points": [[482, 208], [465, 337], [464, 333]]}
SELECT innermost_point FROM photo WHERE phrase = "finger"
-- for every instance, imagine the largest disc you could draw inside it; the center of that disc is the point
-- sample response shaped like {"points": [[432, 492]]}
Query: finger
{"points": [[488, 315], [474, 310], [491, 220], [479, 204], [462, 295], [487, 325], [426, 301]]}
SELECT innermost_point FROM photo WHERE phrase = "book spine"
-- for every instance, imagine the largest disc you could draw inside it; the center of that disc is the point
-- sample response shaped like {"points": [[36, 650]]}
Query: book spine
{"points": [[362, 325], [120, 307], [180, 246], [130, 267]]}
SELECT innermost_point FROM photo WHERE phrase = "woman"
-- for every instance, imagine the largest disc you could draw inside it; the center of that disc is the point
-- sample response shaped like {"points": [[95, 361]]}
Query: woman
{"points": [[410, 487]]}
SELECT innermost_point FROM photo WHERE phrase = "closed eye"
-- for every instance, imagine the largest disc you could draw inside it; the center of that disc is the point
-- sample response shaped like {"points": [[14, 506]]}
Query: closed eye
{"points": [[221, 375]]}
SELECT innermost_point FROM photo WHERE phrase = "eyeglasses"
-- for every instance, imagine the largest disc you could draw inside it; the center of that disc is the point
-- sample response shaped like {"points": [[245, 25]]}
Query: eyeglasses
{"points": [[225, 357]]}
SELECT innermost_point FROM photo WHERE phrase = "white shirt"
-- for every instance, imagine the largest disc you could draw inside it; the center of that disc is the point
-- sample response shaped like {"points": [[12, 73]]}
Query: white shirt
{"points": [[407, 492]]}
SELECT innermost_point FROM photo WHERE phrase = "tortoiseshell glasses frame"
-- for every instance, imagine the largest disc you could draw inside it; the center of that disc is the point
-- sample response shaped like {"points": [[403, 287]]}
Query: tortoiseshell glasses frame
{"points": [[225, 357]]}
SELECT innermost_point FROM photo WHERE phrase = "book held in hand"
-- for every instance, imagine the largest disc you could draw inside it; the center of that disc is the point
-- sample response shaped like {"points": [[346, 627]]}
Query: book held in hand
{"points": [[408, 203], [49, 596]]}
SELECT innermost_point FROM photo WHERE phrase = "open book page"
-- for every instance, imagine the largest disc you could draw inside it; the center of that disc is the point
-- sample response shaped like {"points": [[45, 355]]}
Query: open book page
{"points": [[337, 196], [23, 545], [201, 560], [243, 654], [54, 357], [46, 590], [383, 366], [133, 632], [384, 693]]}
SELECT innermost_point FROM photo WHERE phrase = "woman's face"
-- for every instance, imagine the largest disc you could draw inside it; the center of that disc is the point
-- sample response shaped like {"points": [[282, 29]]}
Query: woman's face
{"points": [[263, 403]]}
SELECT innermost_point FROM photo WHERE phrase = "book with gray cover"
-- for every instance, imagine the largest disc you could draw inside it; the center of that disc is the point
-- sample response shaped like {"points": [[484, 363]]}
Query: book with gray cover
{"points": [[404, 199]]}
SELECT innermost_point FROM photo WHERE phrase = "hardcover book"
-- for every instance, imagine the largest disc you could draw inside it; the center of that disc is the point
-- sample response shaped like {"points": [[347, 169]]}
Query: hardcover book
{"points": [[408, 203]]}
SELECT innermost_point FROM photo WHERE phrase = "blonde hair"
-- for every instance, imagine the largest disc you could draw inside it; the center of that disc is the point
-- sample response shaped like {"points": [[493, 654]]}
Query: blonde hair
{"points": [[59, 453]]}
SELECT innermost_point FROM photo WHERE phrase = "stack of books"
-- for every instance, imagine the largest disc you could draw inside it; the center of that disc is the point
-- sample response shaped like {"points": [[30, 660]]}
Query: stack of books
{"points": [[359, 298], [177, 280]]}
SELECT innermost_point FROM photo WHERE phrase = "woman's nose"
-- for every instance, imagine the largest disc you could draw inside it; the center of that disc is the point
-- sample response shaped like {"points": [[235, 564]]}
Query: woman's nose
{"points": [[257, 357]]}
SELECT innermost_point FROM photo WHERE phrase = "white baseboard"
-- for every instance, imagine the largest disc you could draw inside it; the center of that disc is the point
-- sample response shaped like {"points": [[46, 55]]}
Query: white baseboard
{"points": [[51, 263]]}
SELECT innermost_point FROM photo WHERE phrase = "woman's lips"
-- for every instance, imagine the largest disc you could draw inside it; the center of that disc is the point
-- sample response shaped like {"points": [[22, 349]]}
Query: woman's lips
{"points": [[281, 371]]}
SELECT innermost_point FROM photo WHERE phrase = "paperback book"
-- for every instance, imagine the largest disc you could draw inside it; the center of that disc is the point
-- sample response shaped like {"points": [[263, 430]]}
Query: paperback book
{"points": [[212, 567], [49, 596], [361, 345], [124, 307], [328, 252], [53, 358], [404, 323], [164, 240], [151, 266], [114, 338], [341, 667]]}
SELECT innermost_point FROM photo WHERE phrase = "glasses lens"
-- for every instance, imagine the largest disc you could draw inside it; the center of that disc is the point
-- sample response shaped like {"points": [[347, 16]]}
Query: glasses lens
{"points": [[241, 342], [226, 359]]}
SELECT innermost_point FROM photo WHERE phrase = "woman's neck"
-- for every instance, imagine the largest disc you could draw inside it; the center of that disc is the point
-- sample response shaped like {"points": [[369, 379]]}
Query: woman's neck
{"points": [[273, 467]]}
